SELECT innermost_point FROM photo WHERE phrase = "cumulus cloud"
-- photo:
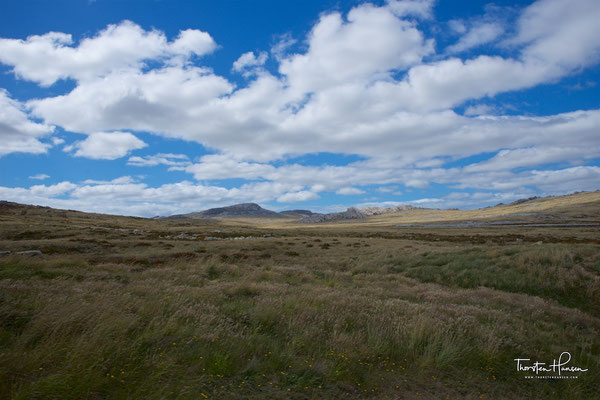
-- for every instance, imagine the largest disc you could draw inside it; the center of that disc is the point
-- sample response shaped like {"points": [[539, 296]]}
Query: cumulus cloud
{"points": [[348, 191], [172, 160], [118, 181], [191, 42], [560, 33], [509, 159], [18, 133], [373, 41], [118, 48], [106, 145], [366, 83], [296, 197], [52, 190], [338, 96], [249, 60], [164, 101], [125, 196], [555, 180], [221, 166]]}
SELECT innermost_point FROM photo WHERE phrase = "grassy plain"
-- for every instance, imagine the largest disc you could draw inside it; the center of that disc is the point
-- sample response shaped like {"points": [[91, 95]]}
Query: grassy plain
{"points": [[119, 308]]}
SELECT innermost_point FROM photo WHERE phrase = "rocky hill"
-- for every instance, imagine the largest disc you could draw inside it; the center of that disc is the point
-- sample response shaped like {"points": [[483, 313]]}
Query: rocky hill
{"points": [[355, 213], [350, 213], [245, 210], [296, 213], [252, 210], [385, 210]]}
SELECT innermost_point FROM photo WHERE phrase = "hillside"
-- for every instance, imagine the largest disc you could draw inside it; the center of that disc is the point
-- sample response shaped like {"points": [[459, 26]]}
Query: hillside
{"points": [[245, 210]]}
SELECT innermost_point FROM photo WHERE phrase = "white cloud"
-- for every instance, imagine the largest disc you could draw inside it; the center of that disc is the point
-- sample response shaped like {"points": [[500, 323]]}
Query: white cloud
{"points": [[249, 60], [192, 42], [387, 189], [106, 145], [419, 8], [552, 137], [296, 197], [561, 33], [348, 191], [173, 160], [480, 109], [362, 85], [281, 46], [531, 156], [220, 166], [39, 177], [169, 101], [52, 190], [550, 181], [118, 48], [372, 42], [117, 181], [477, 35], [18, 133], [338, 96], [449, 83], [126, 197]]}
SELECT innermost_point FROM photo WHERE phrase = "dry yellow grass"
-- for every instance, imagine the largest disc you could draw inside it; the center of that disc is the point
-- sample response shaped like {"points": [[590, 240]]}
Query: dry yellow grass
{"points": [[118, 308]]}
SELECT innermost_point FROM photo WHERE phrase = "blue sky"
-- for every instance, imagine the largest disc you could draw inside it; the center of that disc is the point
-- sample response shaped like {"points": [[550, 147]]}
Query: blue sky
{"points": [[161, 107]]}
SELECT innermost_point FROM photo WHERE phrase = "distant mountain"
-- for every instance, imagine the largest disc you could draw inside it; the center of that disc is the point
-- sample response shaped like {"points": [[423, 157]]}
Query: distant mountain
{"points": [[253, 210], [579, 206], [296, 213], [245, 210], [350, 213]]}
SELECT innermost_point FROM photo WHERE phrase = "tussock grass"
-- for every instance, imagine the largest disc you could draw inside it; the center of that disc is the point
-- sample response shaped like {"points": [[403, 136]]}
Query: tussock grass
{"points": [[562, 273], [350, 317]]}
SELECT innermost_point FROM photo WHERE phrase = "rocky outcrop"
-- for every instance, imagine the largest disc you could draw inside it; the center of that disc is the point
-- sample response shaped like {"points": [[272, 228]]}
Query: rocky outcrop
{"points": [[350, 213], [31, 253], [354, 213], [521, 201], [385, 210]]}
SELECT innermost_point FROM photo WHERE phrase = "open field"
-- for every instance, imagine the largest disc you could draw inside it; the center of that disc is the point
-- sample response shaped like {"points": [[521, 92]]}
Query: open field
{"points": [[122, 307]]}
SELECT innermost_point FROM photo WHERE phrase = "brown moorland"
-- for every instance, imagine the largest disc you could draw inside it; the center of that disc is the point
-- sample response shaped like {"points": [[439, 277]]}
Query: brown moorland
{"points": [[428, 304]]}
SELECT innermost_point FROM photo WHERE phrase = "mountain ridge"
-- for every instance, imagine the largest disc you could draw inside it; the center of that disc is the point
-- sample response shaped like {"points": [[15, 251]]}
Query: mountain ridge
{"points": [[245, 210], [253, 210], [568, 204]]}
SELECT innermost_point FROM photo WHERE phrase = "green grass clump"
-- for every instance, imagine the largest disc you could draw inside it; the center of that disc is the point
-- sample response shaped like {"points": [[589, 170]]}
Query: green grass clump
{"points": [[562, 273]]}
